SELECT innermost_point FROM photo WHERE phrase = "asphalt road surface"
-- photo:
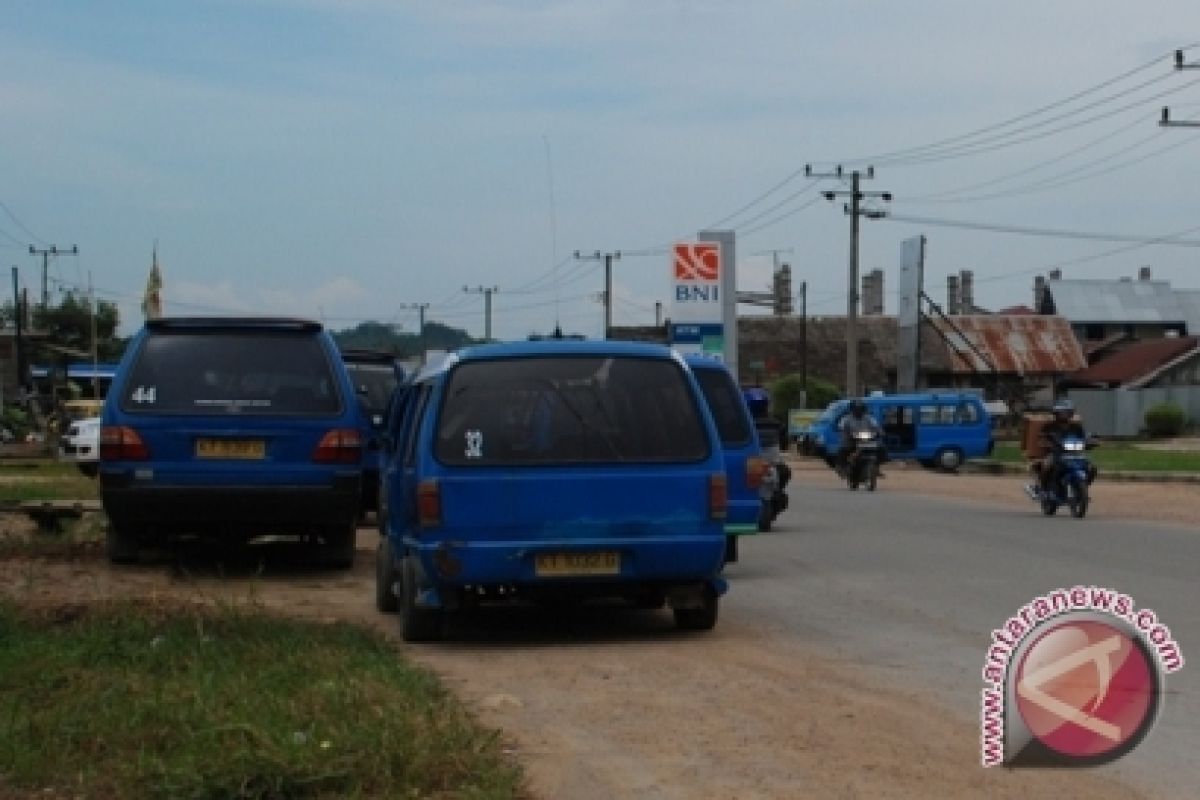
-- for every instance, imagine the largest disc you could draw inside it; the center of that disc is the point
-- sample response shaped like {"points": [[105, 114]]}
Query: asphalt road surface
{"points": [[910, 587]]}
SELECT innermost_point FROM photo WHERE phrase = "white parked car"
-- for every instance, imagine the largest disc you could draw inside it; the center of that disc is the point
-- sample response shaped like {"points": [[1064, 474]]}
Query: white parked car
{"points": [[81, 444]]}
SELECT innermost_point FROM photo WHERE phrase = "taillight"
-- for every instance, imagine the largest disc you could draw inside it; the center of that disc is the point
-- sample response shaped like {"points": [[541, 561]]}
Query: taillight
{"points": [[718, 496], [121, 443], [429, 504], [756, 470], [339, 446]]}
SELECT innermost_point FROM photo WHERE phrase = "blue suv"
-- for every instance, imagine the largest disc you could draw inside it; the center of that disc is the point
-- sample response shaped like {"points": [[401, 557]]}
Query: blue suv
{"points": [[231, 428], [552, 471]]}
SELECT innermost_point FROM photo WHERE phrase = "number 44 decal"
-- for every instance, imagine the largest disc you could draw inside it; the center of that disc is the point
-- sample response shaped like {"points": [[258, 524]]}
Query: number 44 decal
{"points": [[143, 394]]}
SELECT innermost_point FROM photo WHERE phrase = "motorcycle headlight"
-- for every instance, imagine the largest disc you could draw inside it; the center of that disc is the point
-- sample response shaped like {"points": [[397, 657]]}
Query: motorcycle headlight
{"points": [[864, 436], [1073, 447]]}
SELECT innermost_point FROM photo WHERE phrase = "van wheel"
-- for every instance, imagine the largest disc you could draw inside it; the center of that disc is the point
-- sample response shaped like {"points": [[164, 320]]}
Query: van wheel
{"points": [[416, 624], [949, 459], [765, 517], [89, 468], [731, 549], [385, 578], [699, 619], [338, 550], [122, 543]]}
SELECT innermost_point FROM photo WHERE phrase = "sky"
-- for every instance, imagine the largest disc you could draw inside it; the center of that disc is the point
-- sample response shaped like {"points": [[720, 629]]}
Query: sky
{"points": [[350, 160]]}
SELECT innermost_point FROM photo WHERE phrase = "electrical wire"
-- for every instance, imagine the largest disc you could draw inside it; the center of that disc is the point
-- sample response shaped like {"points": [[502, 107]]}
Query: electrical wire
{"points": [[20, 224], [1046, 232]]}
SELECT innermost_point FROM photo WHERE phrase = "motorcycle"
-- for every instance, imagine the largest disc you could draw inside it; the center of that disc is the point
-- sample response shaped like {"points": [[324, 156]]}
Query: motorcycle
{"points": [[862, 463], [772, 497], [1073, 474]]}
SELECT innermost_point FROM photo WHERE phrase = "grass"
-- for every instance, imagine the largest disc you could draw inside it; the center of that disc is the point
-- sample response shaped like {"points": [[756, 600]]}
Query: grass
{"points": [[44, 480], [150, 702], [1119, 456]]}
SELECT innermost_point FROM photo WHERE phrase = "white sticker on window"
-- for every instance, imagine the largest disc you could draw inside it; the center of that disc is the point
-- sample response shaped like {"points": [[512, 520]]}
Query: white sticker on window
{"points": [[145, 394], [474, 444]]}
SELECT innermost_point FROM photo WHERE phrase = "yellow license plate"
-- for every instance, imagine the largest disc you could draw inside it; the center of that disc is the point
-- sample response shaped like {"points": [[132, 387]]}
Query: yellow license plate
{"points": [[231, 448], [569, 564]]}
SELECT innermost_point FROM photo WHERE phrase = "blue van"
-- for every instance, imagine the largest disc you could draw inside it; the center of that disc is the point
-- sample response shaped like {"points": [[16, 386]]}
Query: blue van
{"points": [[744, 464], [231, 428], [551, 471], [935, 429], [374, 375]]}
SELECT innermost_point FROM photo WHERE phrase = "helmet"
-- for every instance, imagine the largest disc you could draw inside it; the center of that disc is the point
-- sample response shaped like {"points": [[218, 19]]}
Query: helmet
{"points": [[858, 408], [758, 401], [1063, 409]]}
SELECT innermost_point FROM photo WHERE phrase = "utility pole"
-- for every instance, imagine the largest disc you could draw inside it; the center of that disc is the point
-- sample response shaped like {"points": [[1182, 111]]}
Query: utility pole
{"points": [[1166, 120], [18, 313], [854, 210], [95, 348], [608, 258], [45, 254], [420, 309], [487, 292], [804, 340]]}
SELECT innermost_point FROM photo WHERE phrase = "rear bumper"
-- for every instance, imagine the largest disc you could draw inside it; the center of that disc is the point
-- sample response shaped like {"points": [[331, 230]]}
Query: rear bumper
{"points": [[675, 559], [245, 510]]}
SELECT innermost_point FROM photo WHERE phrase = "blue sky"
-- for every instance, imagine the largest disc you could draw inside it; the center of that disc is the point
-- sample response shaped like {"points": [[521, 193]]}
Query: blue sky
{"points": [[342, 159]]}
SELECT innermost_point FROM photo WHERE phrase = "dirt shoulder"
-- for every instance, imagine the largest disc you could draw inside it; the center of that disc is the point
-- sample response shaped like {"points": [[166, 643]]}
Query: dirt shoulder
{"points": [[611, 705]]}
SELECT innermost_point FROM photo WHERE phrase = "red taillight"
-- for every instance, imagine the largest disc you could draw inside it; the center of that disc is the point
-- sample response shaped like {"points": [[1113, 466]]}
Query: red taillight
{"points": [[121, 443], [429, 504], [340, 446], [756, 470], [718, 496]]}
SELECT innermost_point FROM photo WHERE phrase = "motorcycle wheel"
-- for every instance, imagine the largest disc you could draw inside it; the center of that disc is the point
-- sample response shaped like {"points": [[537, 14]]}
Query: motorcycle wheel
{"points": [[872, 476], [1049, 506], [765, 518], [1077, 498]]}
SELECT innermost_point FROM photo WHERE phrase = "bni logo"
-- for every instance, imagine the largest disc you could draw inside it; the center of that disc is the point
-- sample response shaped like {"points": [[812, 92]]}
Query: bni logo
{"points": [[697, 261]]}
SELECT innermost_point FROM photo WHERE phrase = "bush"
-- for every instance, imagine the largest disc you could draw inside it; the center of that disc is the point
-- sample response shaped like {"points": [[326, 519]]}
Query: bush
{"points": [[1165, 419], [785, 394]]}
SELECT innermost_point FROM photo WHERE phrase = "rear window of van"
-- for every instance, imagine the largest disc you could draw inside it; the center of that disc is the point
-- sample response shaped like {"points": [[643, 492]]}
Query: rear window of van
{"points": [[569, 410], [253, 372]]}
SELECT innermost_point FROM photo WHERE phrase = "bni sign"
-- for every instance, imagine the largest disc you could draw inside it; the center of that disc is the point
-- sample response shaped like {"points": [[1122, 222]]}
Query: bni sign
{"points": [[696, 282]]}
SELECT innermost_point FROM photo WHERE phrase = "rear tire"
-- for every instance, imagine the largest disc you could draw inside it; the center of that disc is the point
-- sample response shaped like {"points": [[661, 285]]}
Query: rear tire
{"points": [[338, 549], [385, 578], [949, 459], [1049, 507], [699, 619], [122, 543], [731, 549], [416, 624]]}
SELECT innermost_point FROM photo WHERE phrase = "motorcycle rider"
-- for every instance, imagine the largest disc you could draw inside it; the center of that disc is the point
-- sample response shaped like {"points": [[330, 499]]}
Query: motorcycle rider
{"points": [[856, 420], [1062, 425], [770, 431]]}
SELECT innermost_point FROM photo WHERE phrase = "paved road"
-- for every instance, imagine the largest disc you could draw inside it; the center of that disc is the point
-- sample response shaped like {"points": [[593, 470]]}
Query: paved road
{"points": [[911, 587]]}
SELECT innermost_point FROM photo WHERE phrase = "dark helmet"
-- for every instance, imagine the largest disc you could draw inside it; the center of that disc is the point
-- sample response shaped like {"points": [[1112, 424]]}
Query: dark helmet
{"points": [[1063, 410], [858, 408], [758, 401]]}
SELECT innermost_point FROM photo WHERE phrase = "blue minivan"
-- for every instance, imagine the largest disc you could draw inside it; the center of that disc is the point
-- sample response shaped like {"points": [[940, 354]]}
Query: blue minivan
{"points": [[744, 464], [375, 375], [935, 429], [231, 428], [551, 471]]}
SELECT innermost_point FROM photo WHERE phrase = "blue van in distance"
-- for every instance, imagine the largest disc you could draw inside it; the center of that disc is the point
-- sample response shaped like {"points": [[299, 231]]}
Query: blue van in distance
{"points": [[936, 429], [551, 471]]}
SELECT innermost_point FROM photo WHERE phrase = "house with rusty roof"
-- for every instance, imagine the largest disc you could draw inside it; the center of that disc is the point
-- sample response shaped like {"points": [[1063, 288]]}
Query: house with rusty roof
{"points": [[1160, 362]]}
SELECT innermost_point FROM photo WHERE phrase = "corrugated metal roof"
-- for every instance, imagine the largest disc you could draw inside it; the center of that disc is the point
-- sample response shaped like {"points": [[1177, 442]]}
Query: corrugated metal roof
{"points": [[1026, 345], [1083, 301], [1136, 361]]}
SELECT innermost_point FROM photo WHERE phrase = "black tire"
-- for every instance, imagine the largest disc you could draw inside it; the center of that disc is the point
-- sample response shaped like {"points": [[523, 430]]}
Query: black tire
{"points": [[699, 619], [339, 544], [765, 517], [416, 624], [122, 543], [385, 578], [89, 468], [1049, 507], [1077, 499], [731, 549]]}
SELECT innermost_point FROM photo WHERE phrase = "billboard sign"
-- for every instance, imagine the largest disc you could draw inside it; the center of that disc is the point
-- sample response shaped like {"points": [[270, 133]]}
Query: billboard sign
{"points": [[696, 282]]}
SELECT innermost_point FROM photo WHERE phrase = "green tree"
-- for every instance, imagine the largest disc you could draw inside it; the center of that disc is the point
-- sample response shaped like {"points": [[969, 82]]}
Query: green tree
{"points": [[786, 391], [69, 324]]}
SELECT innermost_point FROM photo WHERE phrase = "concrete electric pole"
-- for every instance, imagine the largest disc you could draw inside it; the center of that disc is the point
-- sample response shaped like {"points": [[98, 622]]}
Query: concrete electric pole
{"points": [[45, 254], [607, 258], [420, 309], [1166, 120], [487, 292], [854, 210]]}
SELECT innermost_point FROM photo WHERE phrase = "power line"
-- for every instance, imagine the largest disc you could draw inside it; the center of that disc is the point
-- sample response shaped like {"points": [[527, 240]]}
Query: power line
{"points": [[1047, 232], [21, 225]]}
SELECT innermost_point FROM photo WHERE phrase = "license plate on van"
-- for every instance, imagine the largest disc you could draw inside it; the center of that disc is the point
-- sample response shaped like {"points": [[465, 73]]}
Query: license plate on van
{"points": [[231, 448], [555, 565]]}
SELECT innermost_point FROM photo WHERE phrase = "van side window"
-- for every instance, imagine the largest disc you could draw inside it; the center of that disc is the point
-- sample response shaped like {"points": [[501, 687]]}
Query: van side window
{"points": [[968, 414], [929, 415], [413, 423]]}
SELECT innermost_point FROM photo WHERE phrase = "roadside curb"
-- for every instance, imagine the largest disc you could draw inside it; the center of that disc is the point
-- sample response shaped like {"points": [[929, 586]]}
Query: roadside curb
{"points": [[1001, 468]]}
